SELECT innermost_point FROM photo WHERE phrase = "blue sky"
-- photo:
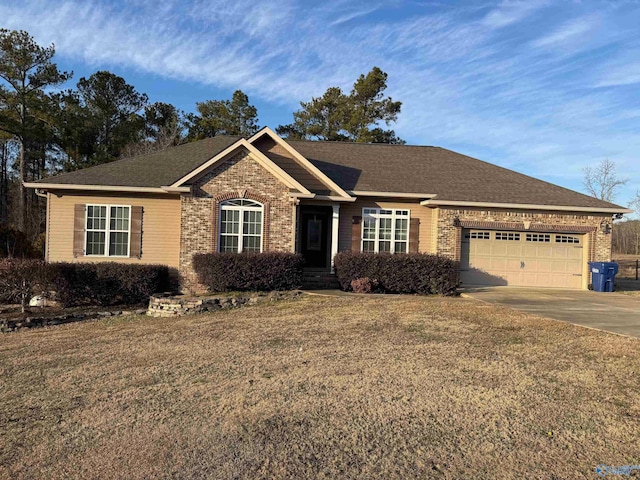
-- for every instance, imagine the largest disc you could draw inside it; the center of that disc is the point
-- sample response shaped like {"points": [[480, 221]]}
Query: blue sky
{"points": [[545, 88]]}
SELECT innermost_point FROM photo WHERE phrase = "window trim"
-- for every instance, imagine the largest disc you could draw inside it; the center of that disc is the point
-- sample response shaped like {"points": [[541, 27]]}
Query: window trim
{"points": [[107, 230], [377, 216], [241, 209]]}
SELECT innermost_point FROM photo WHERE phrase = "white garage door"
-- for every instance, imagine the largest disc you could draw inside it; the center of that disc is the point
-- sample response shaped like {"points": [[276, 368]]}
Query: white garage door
{"points": [[532, 259]]}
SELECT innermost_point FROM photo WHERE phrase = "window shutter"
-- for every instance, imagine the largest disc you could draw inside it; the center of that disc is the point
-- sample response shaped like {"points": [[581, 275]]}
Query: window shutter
{"points": [[135, 242], [414, 235], [356, 233], [79, 219]]}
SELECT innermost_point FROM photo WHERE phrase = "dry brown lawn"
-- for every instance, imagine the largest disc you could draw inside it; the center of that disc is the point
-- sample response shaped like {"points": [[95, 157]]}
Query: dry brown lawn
{"points": [[352, 387]]}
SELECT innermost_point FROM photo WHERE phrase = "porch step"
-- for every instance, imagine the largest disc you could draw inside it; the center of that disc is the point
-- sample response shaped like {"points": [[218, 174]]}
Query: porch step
{"points": [[319, 281]]}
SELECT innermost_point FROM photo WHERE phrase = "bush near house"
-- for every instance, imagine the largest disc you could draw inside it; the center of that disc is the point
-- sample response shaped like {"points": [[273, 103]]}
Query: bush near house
{"points": [[402, 273], [74, 284], [223, 272], [108, 283]]}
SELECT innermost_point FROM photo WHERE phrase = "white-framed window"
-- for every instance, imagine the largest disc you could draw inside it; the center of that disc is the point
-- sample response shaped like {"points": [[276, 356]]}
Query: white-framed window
{"points": [[241, 226], [385, 230], [107, 230]]}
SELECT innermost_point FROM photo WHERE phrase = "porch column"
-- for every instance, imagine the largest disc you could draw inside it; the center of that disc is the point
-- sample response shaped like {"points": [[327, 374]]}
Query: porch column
{"points": [[335, 221]]}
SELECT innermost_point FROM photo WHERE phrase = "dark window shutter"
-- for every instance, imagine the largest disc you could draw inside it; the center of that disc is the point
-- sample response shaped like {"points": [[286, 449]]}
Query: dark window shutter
{"points": [[78, 229], [356, 233], [414, 235], [135, 242]]}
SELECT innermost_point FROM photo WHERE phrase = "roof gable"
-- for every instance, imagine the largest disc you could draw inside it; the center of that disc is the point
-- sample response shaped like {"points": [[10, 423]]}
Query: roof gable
{"points": [[256, 154], [302, 165]]}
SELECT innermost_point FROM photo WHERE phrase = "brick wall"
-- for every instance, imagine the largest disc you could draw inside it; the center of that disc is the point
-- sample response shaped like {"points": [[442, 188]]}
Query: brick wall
{"points": [[449, 235], [238, 177]]}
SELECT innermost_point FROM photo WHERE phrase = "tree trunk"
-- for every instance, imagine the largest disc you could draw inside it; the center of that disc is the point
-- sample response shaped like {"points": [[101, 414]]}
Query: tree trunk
{"points": [[22, 191], [4, 183]]}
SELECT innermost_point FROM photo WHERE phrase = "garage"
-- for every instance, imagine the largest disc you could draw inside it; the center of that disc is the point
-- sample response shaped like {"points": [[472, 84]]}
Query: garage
{"points": [[522, 258]]}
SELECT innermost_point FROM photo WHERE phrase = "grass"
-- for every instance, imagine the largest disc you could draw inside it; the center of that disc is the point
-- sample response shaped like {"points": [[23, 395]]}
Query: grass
{"points": [[352, 387]]}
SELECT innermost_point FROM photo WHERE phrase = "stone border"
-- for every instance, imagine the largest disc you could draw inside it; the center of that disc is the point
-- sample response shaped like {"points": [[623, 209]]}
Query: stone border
{"points": [[14, 324], [168, 305], [160, 305]]}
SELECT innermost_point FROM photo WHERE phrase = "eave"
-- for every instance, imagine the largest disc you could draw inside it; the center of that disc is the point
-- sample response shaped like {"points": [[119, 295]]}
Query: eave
{"points": [[523, 206]]}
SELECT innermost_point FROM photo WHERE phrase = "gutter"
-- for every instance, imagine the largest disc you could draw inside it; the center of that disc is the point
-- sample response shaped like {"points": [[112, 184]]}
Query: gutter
{"points": [[526, 206], [104, 188]]}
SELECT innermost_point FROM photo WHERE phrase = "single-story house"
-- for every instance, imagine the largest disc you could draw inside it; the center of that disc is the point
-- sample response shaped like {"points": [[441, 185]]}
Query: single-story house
{"points": [[264, 193]]}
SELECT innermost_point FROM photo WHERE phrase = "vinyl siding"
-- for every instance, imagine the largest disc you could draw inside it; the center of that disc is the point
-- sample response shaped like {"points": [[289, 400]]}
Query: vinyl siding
{"points": [[349, 210], [160, 227]]}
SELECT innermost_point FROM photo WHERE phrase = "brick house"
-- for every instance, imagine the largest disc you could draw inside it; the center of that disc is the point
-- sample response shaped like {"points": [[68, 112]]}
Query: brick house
{"points": [[263, 193]]}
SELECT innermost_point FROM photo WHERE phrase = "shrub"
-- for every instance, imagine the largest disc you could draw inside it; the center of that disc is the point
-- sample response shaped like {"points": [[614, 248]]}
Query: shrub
{"points": [[21, 279], [364, 285], [403, 273], [223, 272], [109, 283]]}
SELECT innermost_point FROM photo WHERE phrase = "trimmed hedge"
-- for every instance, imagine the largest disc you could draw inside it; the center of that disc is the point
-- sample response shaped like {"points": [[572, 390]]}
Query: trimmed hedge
{"points": [[109, 283], [73, 284], [268, 271], [402, 273]]}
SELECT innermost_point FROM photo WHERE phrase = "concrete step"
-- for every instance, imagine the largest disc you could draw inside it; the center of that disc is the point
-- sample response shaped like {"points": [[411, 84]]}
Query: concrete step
{"points": [[319, 281]]}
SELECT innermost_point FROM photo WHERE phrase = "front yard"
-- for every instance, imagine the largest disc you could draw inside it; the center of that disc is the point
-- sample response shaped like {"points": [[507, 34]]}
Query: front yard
{"points": [[365, 387]]}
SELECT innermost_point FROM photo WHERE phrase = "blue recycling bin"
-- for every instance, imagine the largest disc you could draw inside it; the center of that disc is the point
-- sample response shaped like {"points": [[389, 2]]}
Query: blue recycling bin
{"points": [[603, 275]]}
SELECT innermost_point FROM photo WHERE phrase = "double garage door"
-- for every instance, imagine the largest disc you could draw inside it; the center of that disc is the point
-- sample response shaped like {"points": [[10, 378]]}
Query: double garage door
{"points": [[533, 259]]}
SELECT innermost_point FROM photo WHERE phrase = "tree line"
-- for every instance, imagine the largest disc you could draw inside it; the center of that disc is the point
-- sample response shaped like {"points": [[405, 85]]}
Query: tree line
{"points": [[46, 129]]}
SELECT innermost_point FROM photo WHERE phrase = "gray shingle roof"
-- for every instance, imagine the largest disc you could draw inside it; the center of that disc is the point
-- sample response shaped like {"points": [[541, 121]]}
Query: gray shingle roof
{"points": [[354, 166], [433, 170], [151, 170]]}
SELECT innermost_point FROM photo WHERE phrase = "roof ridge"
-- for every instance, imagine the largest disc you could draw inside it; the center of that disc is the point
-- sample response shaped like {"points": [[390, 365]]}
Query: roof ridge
{"points": [[366, 144]]}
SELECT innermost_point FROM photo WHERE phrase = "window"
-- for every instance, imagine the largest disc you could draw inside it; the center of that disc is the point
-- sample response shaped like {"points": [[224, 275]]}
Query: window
{"points": [[107, 230], [508, 236], [385, 230], [567, 239], [478, 235], [538, 237], [241, 226]]}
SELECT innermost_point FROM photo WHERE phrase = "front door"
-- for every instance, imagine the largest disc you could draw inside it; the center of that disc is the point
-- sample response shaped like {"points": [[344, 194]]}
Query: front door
{"points": [[314, 237]]}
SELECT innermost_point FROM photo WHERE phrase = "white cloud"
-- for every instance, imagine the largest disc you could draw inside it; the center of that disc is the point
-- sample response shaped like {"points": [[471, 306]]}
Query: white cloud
{"points": [[620, 75], [573, 30], [510, 12], [467, 82]]}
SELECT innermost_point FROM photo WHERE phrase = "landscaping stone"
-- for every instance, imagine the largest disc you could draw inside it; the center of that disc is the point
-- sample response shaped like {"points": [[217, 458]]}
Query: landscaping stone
{"points": [[160, 305], [11, 325], [168, 305]]}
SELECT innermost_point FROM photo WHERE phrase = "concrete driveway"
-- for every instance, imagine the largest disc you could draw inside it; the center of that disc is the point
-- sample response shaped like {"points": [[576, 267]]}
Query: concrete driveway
{"points": [[612, 312]]}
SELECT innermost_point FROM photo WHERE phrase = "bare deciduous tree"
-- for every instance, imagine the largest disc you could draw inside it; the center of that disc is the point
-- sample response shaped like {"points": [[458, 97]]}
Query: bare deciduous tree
{"points": [[20, 279], [601, 181]]}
